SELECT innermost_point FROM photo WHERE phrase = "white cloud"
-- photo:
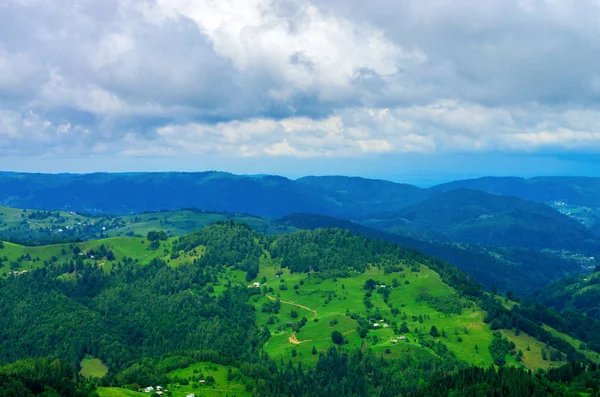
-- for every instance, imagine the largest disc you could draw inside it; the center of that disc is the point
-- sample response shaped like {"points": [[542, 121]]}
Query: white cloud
{"points": [[302, 78]]}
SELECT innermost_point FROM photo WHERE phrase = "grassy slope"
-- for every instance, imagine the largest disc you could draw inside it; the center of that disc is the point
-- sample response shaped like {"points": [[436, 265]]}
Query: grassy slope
{"points": [[345, 294], [18, 218], [15, 222], [93, 367], [469, 325], [118, 392], [221, 388], [134, 247], [181, 222]]}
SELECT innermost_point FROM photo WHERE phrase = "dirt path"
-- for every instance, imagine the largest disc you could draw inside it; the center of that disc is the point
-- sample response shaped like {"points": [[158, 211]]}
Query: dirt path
{"points": [[294, 340], [295, 304]]}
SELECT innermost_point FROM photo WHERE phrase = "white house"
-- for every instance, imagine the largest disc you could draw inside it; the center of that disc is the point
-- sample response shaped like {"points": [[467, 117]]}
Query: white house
{"points": [[191, 395], [385, 326], [402, 337], [376, 325], [149, 389]]}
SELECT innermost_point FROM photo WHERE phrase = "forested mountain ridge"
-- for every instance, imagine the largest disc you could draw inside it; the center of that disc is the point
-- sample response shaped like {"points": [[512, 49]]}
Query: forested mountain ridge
{"points": [[379, 203], [578, 293], [477, 217], [330, 308], [583, 191]]}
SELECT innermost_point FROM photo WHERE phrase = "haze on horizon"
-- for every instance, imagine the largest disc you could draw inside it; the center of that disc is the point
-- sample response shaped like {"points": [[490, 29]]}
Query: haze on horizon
{"points": [[420, 92]]}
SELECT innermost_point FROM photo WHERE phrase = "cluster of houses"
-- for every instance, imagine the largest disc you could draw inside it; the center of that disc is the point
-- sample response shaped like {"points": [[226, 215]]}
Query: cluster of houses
{"points": [[398, 339], [159, 390], [380, 324]]}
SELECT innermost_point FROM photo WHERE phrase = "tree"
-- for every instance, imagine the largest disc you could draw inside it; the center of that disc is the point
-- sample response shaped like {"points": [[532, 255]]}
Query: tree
{"points": [[314, 351], [157, 235], [337, 337], [370, 284], [434, 331], [404, 328]]}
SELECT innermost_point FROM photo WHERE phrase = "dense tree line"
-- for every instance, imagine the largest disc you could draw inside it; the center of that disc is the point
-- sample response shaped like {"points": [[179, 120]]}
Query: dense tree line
{"points": [[137, 311], [43, 377], [226, 243]]}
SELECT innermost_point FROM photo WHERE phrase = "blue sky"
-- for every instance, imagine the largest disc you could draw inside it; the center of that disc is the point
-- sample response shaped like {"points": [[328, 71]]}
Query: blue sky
{"points": [[421, 91]]}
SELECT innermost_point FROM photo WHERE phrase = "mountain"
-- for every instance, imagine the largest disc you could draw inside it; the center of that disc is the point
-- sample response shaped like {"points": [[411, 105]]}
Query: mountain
{"points": [[579, 191], [474, 216], [329, 308], [580, 294], [360, 198], [270, 196], [141, 192]]}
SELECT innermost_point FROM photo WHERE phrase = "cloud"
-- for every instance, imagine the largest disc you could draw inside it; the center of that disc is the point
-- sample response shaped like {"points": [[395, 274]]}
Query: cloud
{"points": [[297, 78]]}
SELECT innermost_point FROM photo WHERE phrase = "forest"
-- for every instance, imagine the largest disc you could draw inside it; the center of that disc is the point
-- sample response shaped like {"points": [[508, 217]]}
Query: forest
{"points": [[146, 320]]}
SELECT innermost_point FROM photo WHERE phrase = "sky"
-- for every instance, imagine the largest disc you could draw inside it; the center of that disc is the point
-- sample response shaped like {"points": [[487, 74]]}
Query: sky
{"points": [[417, 91]]}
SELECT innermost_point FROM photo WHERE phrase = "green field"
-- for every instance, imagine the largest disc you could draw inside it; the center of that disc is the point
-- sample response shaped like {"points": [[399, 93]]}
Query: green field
{"points": [[221, 388], [331, 298], [93, 368], [118, 392], [193, 374], [329, 302], [18, 258]]}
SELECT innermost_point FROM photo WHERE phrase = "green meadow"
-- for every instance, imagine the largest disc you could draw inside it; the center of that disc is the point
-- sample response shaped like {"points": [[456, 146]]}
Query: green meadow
{"points": [[222, 386], [327, 304], [118, 392]]}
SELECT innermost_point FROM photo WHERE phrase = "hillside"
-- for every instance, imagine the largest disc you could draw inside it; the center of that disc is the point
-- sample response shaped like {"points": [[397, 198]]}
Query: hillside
{"points": [[580, 294], [477, 217], [150, 309], [507, 268], [35, 227]]}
